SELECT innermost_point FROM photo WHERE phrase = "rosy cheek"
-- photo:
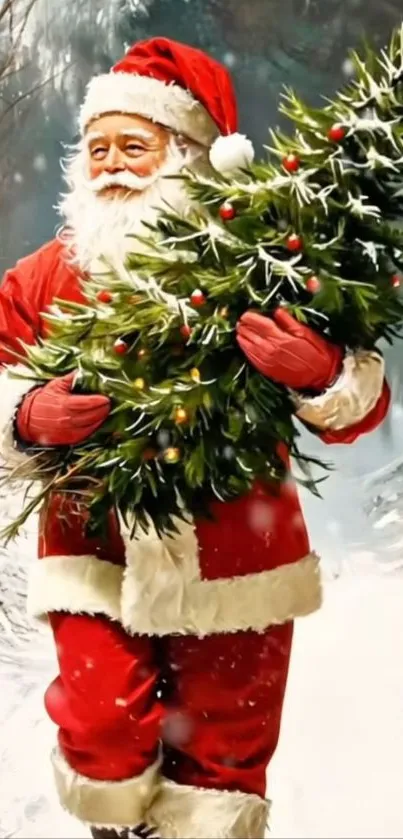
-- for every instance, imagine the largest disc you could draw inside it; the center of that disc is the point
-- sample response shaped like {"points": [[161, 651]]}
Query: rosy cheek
{"points": [[145, 165], [95, 167]]}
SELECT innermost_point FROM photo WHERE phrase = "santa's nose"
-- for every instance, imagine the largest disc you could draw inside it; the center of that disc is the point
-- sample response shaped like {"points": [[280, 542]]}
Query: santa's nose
{"points": [[114, 161]]}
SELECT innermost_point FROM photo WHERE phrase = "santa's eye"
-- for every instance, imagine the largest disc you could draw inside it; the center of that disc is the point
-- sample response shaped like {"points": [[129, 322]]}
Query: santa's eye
{"points": [[99, 152], [134, 149]]}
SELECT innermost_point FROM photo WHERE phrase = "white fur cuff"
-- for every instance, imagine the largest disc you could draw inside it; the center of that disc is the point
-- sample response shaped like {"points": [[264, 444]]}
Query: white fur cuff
{"points": [[104, 803], [185, 811], [13, 388], [351, 397]]}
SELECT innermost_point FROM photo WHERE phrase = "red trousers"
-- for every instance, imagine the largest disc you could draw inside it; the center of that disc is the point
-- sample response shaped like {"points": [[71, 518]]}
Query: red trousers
{"points": [[214, 704]]}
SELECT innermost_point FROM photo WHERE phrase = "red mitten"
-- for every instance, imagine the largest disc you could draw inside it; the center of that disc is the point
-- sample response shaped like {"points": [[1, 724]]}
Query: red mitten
{"points": [[288, 352], [52, 415]]}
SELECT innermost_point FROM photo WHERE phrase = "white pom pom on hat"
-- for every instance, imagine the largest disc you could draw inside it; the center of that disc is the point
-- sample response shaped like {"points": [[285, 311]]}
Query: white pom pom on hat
{"points": [[231, 153], [179, 87]]}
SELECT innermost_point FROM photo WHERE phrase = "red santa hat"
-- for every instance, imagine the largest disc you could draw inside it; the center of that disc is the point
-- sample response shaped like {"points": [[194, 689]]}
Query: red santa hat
{"points": [[179, 87]]}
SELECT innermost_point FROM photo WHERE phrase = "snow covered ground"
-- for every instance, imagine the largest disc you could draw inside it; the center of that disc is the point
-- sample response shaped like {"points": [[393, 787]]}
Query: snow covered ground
{"points": [[338, 771]]}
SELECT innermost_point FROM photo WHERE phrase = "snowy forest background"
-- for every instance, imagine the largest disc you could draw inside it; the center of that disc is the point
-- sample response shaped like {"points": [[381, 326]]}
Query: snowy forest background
{"points": [[344, 680]]}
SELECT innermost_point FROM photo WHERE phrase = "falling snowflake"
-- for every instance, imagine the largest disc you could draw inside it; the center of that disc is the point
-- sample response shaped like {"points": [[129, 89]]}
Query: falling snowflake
{"points": [[348, 68], [297, 521], [260, 516], [39, 163], [228, 452], [229, 58], [177, 729]]}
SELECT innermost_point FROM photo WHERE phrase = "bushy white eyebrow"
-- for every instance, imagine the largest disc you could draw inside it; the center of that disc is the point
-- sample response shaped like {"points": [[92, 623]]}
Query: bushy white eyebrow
{"points": [[136, 133], [93, 135]]}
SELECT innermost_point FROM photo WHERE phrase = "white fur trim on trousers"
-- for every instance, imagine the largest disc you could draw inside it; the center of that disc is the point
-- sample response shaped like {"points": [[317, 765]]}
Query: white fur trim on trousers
{"points": [[104, 803], [186, 812], [350, 399], [176, 811]]}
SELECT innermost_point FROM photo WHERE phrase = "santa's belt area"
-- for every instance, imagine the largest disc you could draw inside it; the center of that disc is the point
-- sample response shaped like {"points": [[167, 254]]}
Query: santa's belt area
{"points": [[156, 594]]}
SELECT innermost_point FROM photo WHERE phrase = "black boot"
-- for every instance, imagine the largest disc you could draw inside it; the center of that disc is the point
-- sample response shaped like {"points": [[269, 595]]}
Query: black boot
{"points": [[142, 831]]}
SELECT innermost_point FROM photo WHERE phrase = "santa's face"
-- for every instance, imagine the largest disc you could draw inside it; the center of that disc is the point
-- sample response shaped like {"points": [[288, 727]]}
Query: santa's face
{"points": [[122, 143], [125, 171]]}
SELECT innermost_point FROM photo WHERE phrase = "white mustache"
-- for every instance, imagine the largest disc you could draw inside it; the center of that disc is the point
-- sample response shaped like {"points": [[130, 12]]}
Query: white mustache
{"points": [[124, 179]]}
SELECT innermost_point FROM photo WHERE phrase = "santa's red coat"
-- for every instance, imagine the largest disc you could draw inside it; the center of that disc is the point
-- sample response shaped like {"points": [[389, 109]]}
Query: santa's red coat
{"points": [[207, 614], [248, 568]]}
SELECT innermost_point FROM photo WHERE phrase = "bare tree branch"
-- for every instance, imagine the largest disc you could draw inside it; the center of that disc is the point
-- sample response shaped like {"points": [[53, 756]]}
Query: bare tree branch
{"points": [[14, 14]]}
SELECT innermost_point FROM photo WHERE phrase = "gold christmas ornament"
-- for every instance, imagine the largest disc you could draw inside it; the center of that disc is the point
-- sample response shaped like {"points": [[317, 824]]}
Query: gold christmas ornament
{"points": [[181, 416], [139, 383], [195, 374], [172, 455]]}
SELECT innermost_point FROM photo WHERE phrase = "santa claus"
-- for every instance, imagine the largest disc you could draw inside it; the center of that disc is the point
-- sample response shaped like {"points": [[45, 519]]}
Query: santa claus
{"points": [[173, 652]]}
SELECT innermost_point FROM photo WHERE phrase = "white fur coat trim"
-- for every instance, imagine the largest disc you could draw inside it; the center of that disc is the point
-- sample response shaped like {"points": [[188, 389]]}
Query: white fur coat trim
{"points": [[13, 388], [104, 803], [163, 592], [350, 399], [76, 584], [179, 810], [168, 104], [153, 595]]}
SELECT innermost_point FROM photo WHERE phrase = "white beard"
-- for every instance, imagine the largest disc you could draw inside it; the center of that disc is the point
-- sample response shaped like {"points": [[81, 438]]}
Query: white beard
{"points": [[98, 230]]}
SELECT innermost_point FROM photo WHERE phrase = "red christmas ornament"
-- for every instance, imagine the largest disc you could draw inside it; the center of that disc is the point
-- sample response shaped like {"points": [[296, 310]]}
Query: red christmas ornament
{"points": [[185, 331], [120, 346], [294, 242], [291, 162], [337, 133], [104, 296], [149, 454], [197, 298], [313, 285], [396, 281], [227, 211]]}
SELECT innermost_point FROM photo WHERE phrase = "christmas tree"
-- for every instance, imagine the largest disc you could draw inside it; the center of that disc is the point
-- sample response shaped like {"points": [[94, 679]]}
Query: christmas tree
{"points": [[315, 229]]}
